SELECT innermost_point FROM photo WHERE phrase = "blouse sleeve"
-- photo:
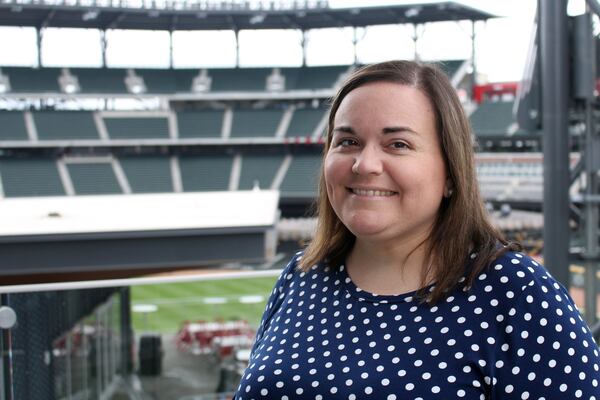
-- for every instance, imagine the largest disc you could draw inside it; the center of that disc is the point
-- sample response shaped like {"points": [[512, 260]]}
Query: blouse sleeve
{"points": [[273, 303], [276, 298], [547, 351]]}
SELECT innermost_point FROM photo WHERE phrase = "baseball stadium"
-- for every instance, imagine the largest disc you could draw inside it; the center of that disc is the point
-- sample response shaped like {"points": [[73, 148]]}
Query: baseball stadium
{"points": [[147, 210]]}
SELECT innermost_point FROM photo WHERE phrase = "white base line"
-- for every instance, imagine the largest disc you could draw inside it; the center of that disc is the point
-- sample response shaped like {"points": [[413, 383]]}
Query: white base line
{"points": [[45, 287]]}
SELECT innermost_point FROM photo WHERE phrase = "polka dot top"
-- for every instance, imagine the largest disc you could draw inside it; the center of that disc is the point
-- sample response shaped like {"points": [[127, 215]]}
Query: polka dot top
{"points": [[515, 334]]}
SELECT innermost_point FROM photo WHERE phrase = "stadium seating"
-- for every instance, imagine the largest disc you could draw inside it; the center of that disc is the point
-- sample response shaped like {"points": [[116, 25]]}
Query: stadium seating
{"points": [[200, 123], [65, 125], [239, 79], [255, 123], [93, 178], [30, 177], [304, 78], [147, 174], [450, 67], [492, 118], [142, 127], [12, 126], [101, 80], [258, 169], [205, 173], [304, 122], [302, 176], [33, 80]]}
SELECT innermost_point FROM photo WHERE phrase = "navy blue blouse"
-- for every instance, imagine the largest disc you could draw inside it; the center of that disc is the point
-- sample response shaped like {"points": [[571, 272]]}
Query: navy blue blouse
{"points": [[515, 334]]}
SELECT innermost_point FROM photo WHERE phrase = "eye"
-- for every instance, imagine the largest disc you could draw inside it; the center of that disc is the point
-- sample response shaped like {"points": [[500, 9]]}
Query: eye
{"points": [[346, 142], [399, 145]]}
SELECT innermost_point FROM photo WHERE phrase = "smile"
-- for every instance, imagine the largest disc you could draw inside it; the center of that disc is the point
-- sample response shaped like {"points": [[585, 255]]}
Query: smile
{"points": [[372, 193]]}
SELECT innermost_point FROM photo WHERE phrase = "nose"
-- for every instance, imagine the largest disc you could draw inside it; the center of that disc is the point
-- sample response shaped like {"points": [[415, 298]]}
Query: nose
{"points": [[368, 162]]}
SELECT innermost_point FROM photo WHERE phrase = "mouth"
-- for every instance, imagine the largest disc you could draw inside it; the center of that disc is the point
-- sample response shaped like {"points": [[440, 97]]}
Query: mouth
{"points": [[372, 192]]}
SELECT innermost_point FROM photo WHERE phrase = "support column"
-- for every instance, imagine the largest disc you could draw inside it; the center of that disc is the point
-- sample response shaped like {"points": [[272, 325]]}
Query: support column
{"points": [[103, 46], [6, 389], [555, 83], [415, 38], [126, 332], [473, 63], [303, 42], [40, 35], [171, 49], [237, 48], [584, 80], [354, 43]]}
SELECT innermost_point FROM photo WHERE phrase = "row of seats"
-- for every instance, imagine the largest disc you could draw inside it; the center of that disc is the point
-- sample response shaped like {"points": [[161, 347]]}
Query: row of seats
{"points": [[73, 125], [154, 174], [493, 118], [169, 81], [489, 118]]}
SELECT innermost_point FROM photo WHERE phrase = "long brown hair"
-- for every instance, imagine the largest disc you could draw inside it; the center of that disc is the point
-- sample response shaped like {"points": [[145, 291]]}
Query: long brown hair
{"points": [[462, 226]]}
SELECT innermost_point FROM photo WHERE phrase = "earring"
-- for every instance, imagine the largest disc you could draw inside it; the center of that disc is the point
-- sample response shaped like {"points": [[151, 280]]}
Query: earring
{"points": [[449, 193]]}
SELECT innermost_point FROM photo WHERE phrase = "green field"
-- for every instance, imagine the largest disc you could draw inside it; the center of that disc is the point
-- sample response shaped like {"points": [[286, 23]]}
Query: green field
{"points": [[205, 300]]}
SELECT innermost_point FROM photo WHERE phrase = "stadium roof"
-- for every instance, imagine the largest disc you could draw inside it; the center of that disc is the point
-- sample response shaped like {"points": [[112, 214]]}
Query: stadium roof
{"points": [[202, 16], [93, 234]]}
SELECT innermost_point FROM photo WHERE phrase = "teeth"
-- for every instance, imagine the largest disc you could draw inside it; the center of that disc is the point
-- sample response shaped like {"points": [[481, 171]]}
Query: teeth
{"points": [[362, 192]]}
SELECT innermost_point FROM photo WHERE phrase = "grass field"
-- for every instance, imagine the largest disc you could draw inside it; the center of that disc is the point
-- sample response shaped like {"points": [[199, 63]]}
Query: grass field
{"points": [[207, 300]]}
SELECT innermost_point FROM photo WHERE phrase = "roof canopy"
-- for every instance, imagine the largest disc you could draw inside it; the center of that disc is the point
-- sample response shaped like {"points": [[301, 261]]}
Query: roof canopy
{"points": [[41, 15]]}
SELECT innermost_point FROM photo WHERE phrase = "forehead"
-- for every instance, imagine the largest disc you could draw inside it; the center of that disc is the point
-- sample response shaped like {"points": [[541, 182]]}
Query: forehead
{"points": [[387, 102]]}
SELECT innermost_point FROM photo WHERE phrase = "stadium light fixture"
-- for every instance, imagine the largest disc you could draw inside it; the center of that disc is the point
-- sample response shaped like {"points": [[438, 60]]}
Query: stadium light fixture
{"points": [[4, 83], [90, 15], [276, 81], [68, 83], [257, 19], [202, 82], [135, 84]]}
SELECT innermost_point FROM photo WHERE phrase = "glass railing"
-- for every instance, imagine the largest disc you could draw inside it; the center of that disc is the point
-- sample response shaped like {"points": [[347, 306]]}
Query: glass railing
{"points": [[177, 337]]}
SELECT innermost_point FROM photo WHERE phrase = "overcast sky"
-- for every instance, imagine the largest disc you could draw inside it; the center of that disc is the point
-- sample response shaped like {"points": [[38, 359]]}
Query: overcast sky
{"points": [[501, 44]]}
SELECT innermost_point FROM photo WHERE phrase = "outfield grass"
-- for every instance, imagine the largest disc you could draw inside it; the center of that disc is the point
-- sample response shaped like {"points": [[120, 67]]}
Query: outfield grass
{"points": [[192, 301]]}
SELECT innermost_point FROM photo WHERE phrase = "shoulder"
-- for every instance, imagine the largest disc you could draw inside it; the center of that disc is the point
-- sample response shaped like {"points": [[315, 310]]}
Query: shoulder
{"points": [[515, 273]]}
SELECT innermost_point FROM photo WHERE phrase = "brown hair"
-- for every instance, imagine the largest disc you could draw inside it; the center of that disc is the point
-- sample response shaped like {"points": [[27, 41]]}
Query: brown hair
{"points": [[462, 225]]}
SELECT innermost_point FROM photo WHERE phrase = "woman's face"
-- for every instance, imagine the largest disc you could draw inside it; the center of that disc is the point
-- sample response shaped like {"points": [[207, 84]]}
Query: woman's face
{"points": [[384, 171]]}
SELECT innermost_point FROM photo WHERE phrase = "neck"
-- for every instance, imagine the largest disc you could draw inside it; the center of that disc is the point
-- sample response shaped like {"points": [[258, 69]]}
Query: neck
{"points": [[384, 268]]}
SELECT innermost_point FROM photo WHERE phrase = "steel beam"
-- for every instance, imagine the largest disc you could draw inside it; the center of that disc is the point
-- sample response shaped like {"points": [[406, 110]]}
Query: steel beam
{"points": [[555, 83]]}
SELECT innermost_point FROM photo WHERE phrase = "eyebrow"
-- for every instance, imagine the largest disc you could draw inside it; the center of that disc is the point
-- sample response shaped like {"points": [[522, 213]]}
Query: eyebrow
{"points": [[385, 131]]}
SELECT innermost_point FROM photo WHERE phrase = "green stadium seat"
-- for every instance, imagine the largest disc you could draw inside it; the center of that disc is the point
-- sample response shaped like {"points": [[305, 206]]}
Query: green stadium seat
{"points": [[93, 178], [304, 122], [30, 177], [313, 78], [492, 118], [301, 179], [450, 67], [147, 174], [101, 80], [255, 123], [33, 80], [12, 126], [259, 169], [65, 125], [158, 80], [137, 127], [205, 172], [238, 79], [200, 123]]}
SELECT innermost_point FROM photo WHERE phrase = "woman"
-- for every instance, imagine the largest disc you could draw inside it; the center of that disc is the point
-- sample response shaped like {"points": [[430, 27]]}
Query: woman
{"points": [[407, 291]]}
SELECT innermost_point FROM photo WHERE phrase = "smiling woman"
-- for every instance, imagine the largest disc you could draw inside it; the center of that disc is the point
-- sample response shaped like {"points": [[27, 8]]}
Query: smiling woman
{"points": [[407, 291]]}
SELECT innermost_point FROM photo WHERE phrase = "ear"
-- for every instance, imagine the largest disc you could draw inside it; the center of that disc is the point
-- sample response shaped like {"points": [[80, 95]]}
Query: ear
{"points": [[448, 188]]}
